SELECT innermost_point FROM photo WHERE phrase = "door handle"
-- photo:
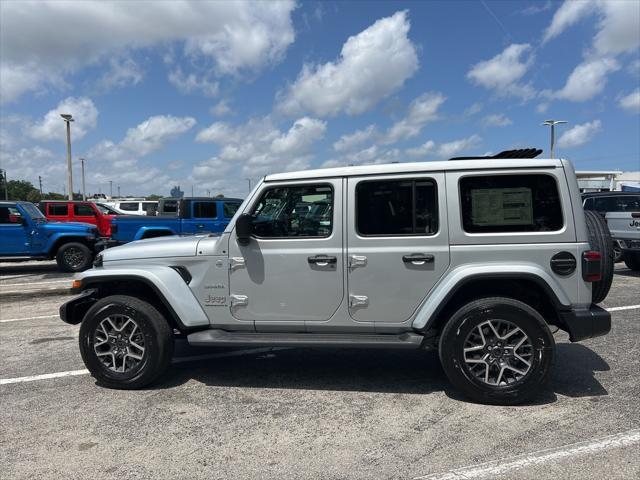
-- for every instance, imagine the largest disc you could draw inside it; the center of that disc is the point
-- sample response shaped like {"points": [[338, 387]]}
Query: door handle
{"points": [[418, 258], [322, 260]]}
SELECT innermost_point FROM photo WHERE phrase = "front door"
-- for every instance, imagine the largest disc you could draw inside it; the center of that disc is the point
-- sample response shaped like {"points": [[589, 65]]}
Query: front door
{"points": [[84, 213], [204, 215], [15, 237], [292, 269], [397, 244]]}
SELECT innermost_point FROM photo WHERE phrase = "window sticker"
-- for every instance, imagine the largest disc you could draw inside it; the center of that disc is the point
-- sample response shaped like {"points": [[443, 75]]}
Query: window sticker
{"points": [[502, 206]]}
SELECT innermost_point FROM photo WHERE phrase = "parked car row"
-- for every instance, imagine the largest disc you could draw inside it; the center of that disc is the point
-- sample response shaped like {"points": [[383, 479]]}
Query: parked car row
{"points": [[71, 232]]}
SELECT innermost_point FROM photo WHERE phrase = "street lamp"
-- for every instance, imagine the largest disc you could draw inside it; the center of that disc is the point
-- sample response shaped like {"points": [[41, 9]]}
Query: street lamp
{"points": [[249, 180], [552, 124], [84, 193], [68, 118]]}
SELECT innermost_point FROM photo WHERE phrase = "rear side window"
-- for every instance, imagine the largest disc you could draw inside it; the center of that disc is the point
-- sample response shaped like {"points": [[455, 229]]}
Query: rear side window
{"points": [[397, 207], [170, 206], [83, 211], [129, 206], [58, 209], [204, 210], [230, 209], [150, 207], [510, 203], [620, 203]]}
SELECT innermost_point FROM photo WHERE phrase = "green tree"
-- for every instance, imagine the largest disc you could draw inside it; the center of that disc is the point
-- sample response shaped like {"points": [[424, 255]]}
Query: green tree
{"points": [[19, 189], [154, 197], [34, 196], [53, 196]]}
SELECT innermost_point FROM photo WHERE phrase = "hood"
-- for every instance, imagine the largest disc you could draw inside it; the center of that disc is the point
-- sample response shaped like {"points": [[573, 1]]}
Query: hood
{"points": [[69, 227], [161, 247]]}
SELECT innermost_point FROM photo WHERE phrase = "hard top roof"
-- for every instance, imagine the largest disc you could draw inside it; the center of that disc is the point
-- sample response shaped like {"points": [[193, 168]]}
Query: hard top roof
{"points": [[417, 167]]}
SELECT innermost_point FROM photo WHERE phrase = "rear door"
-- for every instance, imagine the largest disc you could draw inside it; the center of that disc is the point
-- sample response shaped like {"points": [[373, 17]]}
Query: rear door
{"points": [[397, 244]]}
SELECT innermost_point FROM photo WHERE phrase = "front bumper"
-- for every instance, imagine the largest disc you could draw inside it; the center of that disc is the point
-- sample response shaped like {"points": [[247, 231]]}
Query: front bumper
{"points": [[586, 323], [72, 312]]}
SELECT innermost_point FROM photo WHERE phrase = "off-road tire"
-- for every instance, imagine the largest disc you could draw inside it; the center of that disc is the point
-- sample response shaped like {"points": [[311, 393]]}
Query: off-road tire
{"points": [[475, 313], [600, 241], [84, 253], [158, 342], [632, 260]]}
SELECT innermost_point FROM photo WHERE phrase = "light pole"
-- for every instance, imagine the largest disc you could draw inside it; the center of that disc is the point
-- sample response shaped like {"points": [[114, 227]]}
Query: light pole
{"points": [[3, 177], [249, 180], [111, 188], [68, 118], [552, 124], [118, 191], [84, 193]]}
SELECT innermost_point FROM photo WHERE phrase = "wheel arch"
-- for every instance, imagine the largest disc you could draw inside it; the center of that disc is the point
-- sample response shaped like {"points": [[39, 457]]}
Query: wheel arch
{"points": [[62, 239]]}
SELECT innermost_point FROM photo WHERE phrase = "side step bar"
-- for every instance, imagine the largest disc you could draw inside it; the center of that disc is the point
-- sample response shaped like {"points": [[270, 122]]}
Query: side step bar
{"points": [[222, 338]]}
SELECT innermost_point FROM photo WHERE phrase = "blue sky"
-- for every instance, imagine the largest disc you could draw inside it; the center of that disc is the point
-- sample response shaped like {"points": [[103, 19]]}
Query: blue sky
{"points": [[208, 94]]}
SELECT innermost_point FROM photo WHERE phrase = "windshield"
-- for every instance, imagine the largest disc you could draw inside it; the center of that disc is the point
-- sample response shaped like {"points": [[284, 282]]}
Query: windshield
{"points": [[105, 209], [33, 212]]}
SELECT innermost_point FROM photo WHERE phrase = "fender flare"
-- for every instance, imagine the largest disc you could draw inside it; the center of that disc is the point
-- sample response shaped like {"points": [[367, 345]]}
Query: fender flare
{"points": [[167, 284], [142, 230], [461, 276]]}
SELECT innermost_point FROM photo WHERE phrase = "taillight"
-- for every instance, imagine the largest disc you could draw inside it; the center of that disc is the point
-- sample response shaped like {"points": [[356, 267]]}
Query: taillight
{"points": [[591, 266], [635, 215]]}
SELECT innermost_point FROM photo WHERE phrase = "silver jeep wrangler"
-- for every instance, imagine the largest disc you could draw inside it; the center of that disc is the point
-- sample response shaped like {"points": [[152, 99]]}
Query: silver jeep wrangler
{"points": [[478, 258]]}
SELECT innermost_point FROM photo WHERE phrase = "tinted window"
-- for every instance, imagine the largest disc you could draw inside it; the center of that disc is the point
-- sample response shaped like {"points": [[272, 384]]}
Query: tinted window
{"points": [[83, 211], [58, 209], [230, 209], [129, 206], [150, 207], [9, 215], [398, 207], [204, 210], [170, 206], [510, 203], [620, 203], [296, 211], [105, 209]]}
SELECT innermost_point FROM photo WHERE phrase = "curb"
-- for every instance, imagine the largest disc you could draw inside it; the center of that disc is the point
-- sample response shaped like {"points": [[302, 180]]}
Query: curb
{"points": [[34, 292]]}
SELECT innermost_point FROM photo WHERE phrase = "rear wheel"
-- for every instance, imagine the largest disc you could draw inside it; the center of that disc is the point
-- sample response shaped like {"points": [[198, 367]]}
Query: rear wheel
{"points": [[497, 350], [125, 342], [632, 260], [73, 257], [600, 241]]}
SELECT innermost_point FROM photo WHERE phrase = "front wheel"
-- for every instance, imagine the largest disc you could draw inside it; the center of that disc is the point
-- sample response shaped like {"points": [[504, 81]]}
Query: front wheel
{"points": [[73, 257], [497, 351], [125, 342]]}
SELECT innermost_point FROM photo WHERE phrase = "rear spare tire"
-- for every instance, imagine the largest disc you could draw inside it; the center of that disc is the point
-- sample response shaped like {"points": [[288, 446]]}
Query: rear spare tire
{"points": [[600, 241]]}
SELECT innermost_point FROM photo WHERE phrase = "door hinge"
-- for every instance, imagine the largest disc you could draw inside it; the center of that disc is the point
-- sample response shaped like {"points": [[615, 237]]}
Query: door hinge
{"points": [[236, 262], [239, 300], [357, 261], [358, 300]]}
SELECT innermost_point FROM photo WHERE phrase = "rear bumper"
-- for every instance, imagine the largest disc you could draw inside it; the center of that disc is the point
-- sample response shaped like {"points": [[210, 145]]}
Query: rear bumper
{"points": [[586, 323], [629, 244]]}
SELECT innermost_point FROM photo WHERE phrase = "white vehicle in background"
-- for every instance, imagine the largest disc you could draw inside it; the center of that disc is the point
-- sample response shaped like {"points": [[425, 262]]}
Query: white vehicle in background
{"points": [[136, 207], [621, 210]]}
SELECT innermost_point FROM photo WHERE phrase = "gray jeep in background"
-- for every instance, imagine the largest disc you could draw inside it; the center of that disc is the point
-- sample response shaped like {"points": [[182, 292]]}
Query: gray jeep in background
{"points": [[476, 258]]}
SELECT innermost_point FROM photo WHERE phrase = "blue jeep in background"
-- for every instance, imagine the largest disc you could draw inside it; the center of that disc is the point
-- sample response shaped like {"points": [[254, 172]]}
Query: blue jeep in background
{"points": [[25, 234], [195, 216]]}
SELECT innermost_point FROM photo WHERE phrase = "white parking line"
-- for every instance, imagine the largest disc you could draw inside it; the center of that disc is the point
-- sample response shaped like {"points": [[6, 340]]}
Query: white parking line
{"points": [[70, 373], [28, 318], [34, 284], [505, 466], [628, 307]]}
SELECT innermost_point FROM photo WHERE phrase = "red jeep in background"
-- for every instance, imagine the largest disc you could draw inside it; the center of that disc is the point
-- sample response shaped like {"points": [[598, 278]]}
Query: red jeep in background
{"points": [[78, 211]]}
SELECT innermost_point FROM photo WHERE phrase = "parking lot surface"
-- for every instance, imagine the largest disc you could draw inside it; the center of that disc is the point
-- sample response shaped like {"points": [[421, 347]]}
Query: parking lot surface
{"points": [[305, 413]]}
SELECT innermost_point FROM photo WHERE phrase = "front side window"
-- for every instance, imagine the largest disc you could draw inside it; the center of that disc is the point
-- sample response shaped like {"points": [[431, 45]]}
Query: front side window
{"points": [[397, 207], [129, 206], [510, 203], [58, 209], [83, 211], [204, 210], [294, 211]]}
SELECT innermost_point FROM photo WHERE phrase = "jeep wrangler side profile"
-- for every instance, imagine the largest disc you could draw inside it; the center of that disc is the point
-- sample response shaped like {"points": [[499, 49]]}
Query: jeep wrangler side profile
{"points": [[475, 258]]}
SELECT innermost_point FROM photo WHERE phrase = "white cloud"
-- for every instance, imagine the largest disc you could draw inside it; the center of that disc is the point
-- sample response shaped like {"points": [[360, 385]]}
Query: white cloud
{"points": [[503, 72], [423, 150], [372, 65], [496, 120], [190, 83], [220, 109], [588, 79], [121, 72], [422, 110], [258, 147], [52, 126], [473, 109], [619, 28], [569, 13], [631, 102], [231, 37], [579, 135], [155, 132], [353, 140]]}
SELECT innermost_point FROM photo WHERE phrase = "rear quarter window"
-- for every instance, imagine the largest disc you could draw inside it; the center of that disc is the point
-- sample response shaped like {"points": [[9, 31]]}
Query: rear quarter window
{"points": [[510, 203], [129, 206]]}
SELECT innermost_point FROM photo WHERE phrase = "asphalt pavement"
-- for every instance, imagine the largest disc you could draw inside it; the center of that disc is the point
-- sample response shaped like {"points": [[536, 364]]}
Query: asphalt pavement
{"points": [[305, 413]]}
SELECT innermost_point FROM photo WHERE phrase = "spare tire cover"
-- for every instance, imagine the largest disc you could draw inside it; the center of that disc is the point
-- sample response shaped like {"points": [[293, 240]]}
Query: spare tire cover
{"points": [[600, 241]]}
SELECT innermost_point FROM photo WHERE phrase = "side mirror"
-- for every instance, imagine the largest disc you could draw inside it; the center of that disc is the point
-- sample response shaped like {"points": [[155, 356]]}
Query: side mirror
{"points": [[243, 228]]}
